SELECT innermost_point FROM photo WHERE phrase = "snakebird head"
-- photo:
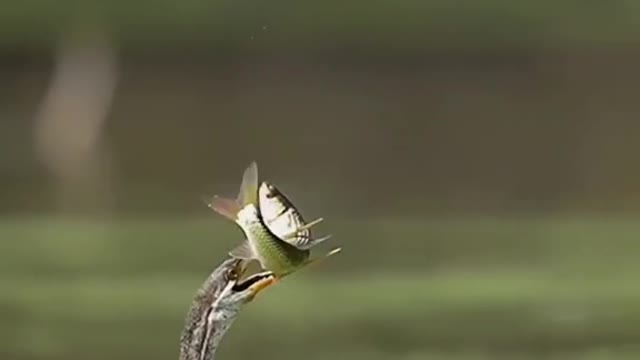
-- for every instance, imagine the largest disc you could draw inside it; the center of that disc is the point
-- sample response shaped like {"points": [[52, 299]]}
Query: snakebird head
{"points": [[237, 291], [216, 306], [270, 250]]}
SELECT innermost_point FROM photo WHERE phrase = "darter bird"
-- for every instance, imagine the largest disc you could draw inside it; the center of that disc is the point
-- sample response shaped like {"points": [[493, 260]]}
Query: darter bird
{"points": [[215, 307]]}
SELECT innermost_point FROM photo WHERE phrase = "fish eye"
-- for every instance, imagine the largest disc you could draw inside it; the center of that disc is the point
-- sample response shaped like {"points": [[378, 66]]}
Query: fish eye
{"points": [[271, 191]]}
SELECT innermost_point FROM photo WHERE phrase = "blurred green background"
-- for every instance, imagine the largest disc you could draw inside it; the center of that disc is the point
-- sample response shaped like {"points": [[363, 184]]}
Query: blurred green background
{"points": [[477, 162]]}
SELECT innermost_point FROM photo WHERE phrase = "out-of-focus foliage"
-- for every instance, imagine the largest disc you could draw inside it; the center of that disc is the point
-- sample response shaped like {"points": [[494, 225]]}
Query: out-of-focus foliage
{"points": [[381, 26], [450, 289], [490, 106]]}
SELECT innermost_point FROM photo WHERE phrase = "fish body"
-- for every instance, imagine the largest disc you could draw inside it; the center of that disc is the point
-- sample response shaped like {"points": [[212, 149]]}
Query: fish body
{"points": [[273, 253]]}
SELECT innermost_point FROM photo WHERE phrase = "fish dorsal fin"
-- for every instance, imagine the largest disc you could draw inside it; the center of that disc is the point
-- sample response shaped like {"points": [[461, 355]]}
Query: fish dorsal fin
{"points": [[243, 251]]}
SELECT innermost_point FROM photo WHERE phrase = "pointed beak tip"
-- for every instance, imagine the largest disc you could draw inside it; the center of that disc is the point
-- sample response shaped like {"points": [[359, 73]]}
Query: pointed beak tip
{"points": [[260, 286]]}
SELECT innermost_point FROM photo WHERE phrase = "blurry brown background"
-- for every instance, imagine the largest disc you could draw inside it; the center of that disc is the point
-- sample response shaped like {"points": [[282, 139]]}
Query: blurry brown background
{"points": [[476, 160]]}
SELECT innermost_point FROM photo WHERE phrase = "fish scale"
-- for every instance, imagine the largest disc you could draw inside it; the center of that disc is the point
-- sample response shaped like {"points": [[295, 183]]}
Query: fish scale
{"points": [[274, 254]]}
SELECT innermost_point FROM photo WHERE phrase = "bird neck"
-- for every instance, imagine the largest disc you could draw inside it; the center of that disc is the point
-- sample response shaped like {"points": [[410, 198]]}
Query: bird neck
{"points": [[203, 328]]}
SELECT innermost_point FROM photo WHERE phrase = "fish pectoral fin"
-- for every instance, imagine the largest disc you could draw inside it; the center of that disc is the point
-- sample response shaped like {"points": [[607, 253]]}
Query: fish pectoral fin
{"points": [[313, 242], [302, 228], [243, 251], [332, 252]]}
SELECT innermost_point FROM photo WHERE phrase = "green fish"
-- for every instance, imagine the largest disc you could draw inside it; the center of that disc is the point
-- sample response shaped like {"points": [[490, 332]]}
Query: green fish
{"points": [[282, 218], [273, 252]]}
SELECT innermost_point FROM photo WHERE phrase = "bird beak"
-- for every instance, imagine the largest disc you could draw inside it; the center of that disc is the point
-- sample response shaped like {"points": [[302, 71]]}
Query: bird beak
{"points": [[260, 285], [254, 284]]}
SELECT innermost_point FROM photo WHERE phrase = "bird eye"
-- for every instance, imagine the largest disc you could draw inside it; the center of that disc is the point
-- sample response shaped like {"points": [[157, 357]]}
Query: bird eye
{"points": [[231, 275]]}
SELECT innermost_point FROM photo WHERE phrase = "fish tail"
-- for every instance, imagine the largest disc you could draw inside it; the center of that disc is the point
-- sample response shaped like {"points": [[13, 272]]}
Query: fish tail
{"points": [[248, 195], [228, 208]]}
